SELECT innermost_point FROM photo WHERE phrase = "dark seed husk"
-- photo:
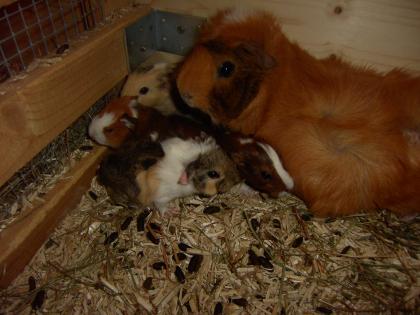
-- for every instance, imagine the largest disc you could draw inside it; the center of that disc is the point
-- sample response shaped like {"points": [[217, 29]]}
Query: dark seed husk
{"points": [[180, 256], [218, 309], [240, 302], [141, 219], [266, 263], [297, 242], [154, 226], [187, 305], [253, 258], [159, 265], [179, 274], [153, 239], [195, 263], [86, 148], [323, 310], [306, 216], [255, 224], [148, 283], [211, 209], [93, 195], [276, 223], [111, 238], [126, 223], [31, 283], [38, 300], [345, 250], [329, 220], [183, 247]]}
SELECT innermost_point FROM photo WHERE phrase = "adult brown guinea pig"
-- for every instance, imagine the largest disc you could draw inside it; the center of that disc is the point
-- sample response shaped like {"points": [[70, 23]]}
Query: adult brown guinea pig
{"points": [[347, 135]]}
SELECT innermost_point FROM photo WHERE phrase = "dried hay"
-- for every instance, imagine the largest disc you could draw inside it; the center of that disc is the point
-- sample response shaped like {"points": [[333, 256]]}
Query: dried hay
{"points": [[245, 255]]}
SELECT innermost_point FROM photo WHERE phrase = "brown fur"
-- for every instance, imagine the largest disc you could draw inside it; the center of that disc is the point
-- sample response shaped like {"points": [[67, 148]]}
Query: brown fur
{"points": [[345, 133]]}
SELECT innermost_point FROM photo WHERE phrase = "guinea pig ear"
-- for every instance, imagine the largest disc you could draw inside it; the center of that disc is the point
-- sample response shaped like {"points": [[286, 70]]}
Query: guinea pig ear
{"points": [[252, 52]]}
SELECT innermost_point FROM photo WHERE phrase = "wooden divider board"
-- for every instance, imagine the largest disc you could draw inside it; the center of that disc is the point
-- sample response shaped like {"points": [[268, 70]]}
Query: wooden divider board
{"points": [[34, 110], [384, 33], [23, 237]]}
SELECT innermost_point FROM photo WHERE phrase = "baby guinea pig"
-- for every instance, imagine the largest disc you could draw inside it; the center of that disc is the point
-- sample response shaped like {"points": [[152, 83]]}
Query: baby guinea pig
{"points": [[188, 167], [151, 87], [257, 162], [118, 169], [108, 127]]}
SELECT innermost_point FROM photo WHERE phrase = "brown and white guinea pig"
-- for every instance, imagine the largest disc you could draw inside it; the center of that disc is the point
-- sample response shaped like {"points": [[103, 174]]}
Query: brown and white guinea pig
{"points": [[258, 164], [347, 135], [109, 127], [152, 87], [186, 167]]}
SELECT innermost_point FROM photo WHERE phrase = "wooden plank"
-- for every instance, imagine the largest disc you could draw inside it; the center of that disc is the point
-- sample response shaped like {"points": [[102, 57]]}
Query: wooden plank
{"points": [[384, 34], [34, 110], [3, 3], [21, 240]]}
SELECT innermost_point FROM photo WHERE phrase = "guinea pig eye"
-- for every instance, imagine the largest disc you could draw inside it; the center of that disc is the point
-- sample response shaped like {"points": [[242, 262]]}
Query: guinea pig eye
{"points": [[226, 69], [213, 174], [108, 129], [266, 176], [144, 90]]}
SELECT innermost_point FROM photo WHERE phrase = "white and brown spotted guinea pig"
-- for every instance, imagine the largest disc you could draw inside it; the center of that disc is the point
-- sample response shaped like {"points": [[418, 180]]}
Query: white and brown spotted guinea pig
{"points": [[152, 87], [109, 126], [145, 177], [257, 162], [346, 134]]}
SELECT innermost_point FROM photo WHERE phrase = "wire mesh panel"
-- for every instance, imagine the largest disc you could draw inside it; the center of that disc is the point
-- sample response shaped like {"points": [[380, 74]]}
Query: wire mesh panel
{"points": [[41, 172], [32, 29]]}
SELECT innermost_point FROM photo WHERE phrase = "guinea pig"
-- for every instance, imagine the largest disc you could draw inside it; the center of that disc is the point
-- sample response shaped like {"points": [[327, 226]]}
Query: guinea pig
{"points": [[117, 171], [151, 86], [138, 173], [344, 133], [108, 127], [258, 164]]}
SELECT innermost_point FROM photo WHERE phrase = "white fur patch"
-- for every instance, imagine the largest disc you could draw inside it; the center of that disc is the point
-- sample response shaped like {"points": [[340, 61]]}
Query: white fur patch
{"points": [[132, 106], [239, 14], [154, 136], [284, 175], [178, 154], [97, 125], [246, 140]]}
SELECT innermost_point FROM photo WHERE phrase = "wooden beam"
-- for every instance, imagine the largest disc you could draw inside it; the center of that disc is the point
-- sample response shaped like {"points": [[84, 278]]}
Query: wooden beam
{"points": [[34, 110], [22, 238]]}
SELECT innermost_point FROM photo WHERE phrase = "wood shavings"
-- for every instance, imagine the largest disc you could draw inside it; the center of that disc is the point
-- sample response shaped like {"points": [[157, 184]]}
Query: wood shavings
{"points": [[379, 270]]}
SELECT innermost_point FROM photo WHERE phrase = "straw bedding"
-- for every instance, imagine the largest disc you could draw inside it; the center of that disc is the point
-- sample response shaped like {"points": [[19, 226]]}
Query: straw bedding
{"points": [[231, 254]]}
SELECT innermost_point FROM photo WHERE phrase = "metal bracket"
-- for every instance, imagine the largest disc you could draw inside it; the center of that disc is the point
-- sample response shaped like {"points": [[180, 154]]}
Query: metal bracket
{"points": [[163, 31]]}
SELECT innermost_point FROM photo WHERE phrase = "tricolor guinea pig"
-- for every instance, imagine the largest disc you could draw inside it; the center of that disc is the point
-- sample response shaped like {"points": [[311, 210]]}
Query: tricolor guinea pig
{"points": [[109, 127], [346, 134], [152, 87], [257, 162], [138, 173]]}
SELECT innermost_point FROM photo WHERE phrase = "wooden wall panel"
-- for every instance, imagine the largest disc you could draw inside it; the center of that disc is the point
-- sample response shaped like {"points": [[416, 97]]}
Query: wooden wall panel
{"points": [[23, 237], [382, 33], [34, 110]]}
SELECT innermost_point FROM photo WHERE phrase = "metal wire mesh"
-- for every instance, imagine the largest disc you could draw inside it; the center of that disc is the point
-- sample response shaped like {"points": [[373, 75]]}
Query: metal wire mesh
{"points": [[39, 173], [32, 29]]}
